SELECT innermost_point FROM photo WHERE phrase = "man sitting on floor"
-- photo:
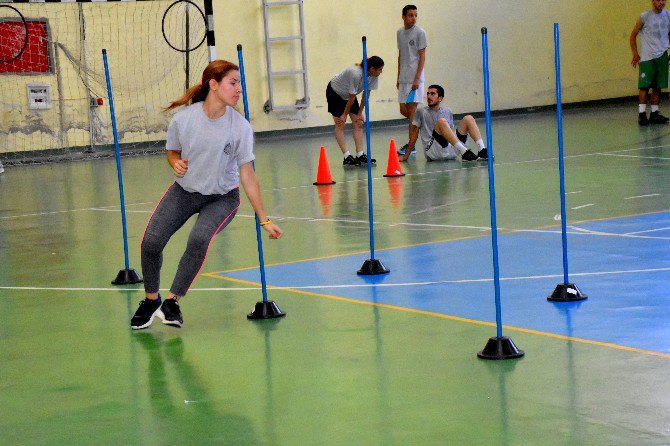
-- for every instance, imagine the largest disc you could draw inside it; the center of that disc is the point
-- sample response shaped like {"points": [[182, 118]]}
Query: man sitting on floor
{"points": [[435, 125]]}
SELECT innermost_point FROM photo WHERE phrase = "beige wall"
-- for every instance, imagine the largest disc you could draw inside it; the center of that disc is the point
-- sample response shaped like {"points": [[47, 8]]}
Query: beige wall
{"points": [[594, 51]]}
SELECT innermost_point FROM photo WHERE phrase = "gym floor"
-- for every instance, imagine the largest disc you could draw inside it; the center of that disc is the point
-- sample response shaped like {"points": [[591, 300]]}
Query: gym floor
{"points": [[383, 360]]}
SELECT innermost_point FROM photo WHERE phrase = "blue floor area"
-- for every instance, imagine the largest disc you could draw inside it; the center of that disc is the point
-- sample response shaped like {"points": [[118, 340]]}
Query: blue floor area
{"points": [[622, 264]]}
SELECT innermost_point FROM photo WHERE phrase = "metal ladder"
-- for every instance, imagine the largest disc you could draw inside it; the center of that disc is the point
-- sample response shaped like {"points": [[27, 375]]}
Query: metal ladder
{"points": [[300, 103]]}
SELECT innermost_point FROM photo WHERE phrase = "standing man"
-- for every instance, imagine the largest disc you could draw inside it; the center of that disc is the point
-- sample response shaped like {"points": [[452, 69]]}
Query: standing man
{"points": [[653, 26], [441, 139], [411, 59]]}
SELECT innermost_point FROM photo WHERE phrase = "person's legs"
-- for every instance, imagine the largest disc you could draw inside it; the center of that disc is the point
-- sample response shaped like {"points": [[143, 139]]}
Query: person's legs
{"points": [[358, 125], [645, 78], [442, 128], [336, 106], [468, 126], [213, 217], [174, 209], [409, 109], [659, 82], [339, 135]]}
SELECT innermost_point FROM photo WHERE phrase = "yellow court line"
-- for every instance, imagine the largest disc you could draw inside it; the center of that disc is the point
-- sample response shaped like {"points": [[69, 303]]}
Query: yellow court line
{"points": [[462, 319]]}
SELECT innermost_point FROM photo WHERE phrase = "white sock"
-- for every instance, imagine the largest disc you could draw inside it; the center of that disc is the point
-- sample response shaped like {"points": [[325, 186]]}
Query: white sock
{"points": [[359, 154], [480, 144], [654, 108], [461, 148], [642, 108], [347, 153]]}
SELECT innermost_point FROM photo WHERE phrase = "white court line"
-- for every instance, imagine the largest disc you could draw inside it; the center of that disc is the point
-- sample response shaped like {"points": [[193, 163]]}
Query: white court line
{"points": [[648, 230], [432, 208], [357, 285], [642, 196], [636, 156], [110, 208], [362, 180], [582, 231], [583, 206], [612, 234]]}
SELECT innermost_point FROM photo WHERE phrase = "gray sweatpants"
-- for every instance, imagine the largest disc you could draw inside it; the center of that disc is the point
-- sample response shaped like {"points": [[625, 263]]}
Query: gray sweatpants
{"points": [[174, 209]]}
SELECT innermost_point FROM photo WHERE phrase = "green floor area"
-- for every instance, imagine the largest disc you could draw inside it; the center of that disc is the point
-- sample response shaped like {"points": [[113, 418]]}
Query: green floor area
{"points": [[333, 371]]}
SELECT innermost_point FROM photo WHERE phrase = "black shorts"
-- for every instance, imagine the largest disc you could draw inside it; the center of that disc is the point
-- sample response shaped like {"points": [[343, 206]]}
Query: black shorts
{"points": [[336, 104], [442, 141]]}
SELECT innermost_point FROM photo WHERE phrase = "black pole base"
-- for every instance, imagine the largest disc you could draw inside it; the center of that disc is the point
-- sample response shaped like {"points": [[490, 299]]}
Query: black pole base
{"points": [[266, 310], [566, 292], [372, 267], [126, 277], [500, 348]]}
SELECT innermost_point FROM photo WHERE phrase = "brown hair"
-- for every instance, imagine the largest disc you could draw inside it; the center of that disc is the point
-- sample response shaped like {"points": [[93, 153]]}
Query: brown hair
{"points": [[216, 70], [373, 62]]}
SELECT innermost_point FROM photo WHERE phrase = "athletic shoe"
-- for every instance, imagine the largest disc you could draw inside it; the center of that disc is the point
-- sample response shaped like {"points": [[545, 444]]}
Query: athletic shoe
{"points": [[642, 118], [657, 118], [2, 168], [363, 160], [350, 161], [468, 155], [145, 314], [170, 313], [483, 154], [403, 149]]}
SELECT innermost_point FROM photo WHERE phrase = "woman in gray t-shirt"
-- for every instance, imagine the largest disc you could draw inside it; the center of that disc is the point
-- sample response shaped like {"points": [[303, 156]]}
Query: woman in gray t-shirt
{"points": [[342, 102], [208, 142]]}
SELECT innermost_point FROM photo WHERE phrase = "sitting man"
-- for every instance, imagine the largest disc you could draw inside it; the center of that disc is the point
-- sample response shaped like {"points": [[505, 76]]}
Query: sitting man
{"points": [[435, 125]]}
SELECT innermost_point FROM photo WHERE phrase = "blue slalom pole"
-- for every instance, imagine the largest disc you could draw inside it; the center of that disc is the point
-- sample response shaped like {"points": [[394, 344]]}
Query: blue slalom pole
{"points": [[566, 291], [366, 94], [127, 275], [371, 266], [492, 189], [561, 166], [499, 347], [265, 309]]}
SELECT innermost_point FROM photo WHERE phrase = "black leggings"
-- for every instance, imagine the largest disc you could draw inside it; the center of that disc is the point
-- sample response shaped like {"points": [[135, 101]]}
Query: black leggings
{"points": [[174, 209]]}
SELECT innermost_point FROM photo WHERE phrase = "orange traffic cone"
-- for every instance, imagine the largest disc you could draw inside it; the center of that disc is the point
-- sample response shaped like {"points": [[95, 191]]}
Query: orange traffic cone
{"points": [[393, 169], [323, 174]]}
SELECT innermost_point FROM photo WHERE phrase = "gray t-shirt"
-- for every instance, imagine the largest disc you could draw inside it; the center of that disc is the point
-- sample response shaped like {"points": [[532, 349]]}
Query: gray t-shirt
{"points": [[350, 81], [654, 34], [215, 148], [410, 41], [425, 119]]}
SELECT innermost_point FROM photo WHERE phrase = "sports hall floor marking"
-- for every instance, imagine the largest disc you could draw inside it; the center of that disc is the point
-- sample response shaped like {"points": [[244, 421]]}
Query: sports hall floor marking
{"points": [[116, 207], [257, 286], [469, 321], [583, 206], [641, 196]]}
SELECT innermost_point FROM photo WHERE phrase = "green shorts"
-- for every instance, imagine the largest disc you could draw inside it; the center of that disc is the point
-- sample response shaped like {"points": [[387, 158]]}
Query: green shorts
{"points": [[654, 73]]}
